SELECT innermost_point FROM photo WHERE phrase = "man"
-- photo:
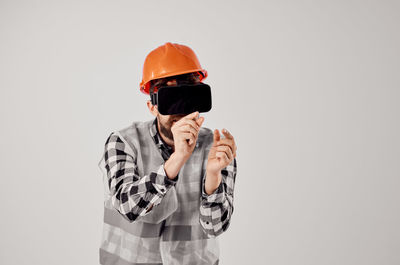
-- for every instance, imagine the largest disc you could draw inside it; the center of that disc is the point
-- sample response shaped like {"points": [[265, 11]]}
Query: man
{"points": [[168, 182]]}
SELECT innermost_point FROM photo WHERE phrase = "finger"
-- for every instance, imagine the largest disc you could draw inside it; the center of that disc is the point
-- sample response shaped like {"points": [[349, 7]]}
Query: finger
{"points": [[227, 151], [192, 132], [183, 122], [200, 121], [188, 128], [189, 136], [232, 150], [227, 134], [216, 137], [223, 157], [229, 142], [191, 116]]}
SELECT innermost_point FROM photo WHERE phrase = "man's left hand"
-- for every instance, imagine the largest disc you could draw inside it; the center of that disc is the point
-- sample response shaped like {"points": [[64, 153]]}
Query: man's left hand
{"points": [[221, 154]]}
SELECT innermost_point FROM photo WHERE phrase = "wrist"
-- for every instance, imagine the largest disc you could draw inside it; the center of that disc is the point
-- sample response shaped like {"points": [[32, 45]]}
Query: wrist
{"points": [[213, 174], [178, 158], [212, 182], [173, 165]]}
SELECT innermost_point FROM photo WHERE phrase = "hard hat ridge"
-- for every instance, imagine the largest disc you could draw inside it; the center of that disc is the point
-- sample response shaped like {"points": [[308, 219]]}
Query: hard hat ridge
{"points": [[167, 60]]}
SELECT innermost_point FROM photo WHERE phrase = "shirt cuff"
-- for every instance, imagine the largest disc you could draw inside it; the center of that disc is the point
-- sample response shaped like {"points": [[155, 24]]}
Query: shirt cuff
{"points": [[217, 196], [162, 183]]}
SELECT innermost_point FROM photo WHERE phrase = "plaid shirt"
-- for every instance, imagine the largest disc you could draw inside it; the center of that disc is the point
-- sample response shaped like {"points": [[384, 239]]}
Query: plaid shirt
{"points": [[135, 196]]}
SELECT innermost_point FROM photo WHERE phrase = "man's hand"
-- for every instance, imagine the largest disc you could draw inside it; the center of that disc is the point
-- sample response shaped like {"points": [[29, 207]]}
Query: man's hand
{"points": [[221, 154], [185, 132]]}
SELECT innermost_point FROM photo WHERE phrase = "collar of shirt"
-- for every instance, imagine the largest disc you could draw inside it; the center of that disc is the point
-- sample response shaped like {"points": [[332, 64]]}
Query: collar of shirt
{"points": [[165, 149]]}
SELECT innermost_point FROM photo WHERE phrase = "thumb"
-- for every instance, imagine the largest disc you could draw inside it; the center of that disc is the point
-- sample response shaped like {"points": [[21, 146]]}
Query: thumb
{"points": [[192, 115], [216, 137], [200, 121]]}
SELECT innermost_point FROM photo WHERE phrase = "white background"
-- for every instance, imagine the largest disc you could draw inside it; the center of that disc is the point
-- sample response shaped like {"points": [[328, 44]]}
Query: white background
{"points": [[309, 89]]}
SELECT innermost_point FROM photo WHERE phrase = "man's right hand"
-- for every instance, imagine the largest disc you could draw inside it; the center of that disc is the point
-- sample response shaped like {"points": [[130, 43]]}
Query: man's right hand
{"points": [[185, 132]]}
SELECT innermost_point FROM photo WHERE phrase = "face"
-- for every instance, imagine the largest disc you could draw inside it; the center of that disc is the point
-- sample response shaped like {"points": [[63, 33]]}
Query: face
{"points": [[165, 122]]}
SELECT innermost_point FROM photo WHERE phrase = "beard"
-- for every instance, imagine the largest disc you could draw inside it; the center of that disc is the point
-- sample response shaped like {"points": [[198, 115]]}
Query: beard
{"points": [[165, 129]]}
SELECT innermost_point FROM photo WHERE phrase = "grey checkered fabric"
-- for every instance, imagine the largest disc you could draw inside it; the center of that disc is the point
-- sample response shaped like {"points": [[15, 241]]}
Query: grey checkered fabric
{"points": [[151, 219]]}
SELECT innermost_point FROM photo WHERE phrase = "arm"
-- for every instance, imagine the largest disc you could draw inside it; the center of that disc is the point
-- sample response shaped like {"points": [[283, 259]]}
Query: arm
{"points": [[132, 196], [216, 208]]}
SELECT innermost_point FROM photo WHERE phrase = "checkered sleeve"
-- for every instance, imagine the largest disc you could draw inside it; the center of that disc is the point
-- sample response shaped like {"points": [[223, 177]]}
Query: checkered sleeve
{"points": [[133, 196], [216, 209]]}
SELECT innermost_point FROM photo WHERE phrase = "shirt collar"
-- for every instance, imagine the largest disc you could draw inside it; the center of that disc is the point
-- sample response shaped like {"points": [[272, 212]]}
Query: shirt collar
{"points": [[166, 150]]}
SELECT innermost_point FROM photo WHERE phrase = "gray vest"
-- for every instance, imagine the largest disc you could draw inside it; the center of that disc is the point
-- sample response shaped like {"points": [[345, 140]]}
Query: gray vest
{"points": [[171, 232]]}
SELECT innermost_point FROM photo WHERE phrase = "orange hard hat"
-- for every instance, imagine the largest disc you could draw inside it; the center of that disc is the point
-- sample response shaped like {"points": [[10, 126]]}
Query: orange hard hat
{"points": [[168, 60]]}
